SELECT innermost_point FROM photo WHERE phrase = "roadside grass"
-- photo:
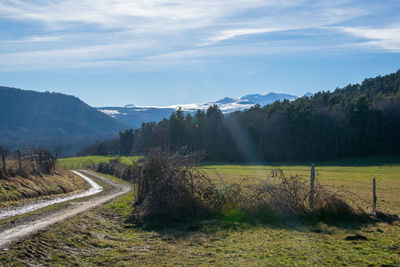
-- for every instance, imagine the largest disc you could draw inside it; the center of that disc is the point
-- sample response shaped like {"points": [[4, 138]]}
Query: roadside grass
{"points": [[83, 162], [52, 208], [17, 190], [110, 177], [106, 236]]}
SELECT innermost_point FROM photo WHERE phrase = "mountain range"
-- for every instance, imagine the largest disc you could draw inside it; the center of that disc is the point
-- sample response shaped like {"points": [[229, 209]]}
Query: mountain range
{"points": [[135, 115], [50, 120], [64, 123]]}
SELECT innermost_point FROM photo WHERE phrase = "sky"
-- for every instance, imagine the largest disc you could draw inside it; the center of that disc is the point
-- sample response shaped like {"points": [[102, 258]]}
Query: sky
{"points": [[164, 52]]}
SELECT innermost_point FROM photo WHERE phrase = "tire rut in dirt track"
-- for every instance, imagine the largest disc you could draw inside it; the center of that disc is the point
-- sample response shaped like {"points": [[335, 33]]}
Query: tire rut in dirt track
{"points": [[17, 231]]}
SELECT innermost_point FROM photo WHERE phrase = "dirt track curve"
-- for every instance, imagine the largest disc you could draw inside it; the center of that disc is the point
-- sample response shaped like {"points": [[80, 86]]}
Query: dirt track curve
{"points": [[17, 231]]}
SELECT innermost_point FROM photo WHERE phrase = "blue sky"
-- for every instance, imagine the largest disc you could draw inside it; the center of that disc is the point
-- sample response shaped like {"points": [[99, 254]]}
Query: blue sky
{"points": [[162, 52]]}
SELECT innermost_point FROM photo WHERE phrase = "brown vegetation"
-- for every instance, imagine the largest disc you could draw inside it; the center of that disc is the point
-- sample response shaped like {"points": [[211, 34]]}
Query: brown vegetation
{"points": [[170, 187], [15, 189], [116, 168], [33, 174], [29, 162]]}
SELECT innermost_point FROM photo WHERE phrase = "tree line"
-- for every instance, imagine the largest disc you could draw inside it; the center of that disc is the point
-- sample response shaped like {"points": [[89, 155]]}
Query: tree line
{"points": [[357, 120]]}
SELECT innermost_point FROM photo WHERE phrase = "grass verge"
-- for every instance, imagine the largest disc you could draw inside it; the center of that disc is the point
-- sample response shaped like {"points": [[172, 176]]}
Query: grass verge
{"points": [[18, 190], [29, 216]]}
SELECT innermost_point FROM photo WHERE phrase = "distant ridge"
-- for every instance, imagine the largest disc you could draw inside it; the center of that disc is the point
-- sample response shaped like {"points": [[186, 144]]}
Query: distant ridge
{"points": [[134, 116], [49, 120]]}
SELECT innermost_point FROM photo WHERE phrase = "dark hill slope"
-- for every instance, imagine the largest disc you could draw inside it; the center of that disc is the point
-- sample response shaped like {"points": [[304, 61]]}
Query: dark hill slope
{"points": [[50, 119]]}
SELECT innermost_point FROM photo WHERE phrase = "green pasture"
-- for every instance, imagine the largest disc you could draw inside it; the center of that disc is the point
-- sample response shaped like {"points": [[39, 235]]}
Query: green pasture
{"points": [[352, 177], [82, 162], [108, 235]]}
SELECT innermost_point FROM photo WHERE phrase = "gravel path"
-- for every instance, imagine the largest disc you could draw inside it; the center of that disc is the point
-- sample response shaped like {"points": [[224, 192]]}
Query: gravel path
{"points": [[20, 230], [32, 206]]}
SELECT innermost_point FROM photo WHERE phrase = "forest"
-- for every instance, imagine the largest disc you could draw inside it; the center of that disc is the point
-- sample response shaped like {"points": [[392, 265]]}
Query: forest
{"points": [[357, 120]]}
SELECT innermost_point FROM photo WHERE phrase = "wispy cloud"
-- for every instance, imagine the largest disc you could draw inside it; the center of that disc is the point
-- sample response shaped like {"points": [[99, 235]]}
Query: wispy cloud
{"points": [[229, 34], [104, 33], [387, 38]]}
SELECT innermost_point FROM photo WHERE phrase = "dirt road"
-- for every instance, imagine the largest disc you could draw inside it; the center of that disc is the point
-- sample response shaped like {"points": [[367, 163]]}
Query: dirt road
{"points": [[17, 231], [32, 206]]}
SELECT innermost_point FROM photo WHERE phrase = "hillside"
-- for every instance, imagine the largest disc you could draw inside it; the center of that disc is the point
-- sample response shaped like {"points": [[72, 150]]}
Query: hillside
{"points": [[50, 120]]}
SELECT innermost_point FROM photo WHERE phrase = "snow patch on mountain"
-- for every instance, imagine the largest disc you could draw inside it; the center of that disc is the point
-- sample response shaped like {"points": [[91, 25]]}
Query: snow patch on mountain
{"points": [[136, 115], [228, 104], [112, 112]]}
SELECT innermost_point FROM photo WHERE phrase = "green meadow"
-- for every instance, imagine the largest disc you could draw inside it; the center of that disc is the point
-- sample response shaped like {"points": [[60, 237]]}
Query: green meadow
{"points": [[83, 162], [108, 236], [353, 178]]}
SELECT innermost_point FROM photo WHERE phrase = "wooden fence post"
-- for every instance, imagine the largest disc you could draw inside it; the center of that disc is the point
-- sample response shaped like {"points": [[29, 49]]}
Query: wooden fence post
{"points": [[40, 161], [312, 178], [4, 162], [138, 191], [374, 196], [19, 160], [33, 163]]}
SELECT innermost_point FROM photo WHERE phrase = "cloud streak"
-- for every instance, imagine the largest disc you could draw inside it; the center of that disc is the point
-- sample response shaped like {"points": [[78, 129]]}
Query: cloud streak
{"points": [[387, 38], [109, 33]]}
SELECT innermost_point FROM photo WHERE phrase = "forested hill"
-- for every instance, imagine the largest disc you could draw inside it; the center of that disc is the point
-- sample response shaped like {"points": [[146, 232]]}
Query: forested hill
{"points": [[49, 120], [358, 120]]}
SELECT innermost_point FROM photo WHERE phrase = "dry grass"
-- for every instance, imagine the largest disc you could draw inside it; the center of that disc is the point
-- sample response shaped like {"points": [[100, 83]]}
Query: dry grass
{"points": [[16, 189], [291, 195], [30, 162]]}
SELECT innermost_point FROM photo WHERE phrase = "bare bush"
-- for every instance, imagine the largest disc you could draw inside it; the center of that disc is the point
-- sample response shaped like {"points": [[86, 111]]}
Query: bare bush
{"points": [[127, 172], [289, 196], [171, 188]]}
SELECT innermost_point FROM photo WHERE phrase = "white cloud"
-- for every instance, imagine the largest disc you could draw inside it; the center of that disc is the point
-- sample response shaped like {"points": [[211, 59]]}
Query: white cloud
{"points": [[149, 33], [384, 38], [228, 34]]}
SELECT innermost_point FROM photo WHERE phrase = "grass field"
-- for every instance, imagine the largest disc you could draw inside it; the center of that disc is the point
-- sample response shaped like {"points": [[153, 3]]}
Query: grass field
{"points": [[354, 175], [82, 162], [107, 235]]}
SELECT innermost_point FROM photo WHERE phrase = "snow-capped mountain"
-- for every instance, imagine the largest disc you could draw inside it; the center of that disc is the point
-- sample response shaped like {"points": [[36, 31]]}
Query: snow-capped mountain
{"points": [[229, 104], [136, 115]]}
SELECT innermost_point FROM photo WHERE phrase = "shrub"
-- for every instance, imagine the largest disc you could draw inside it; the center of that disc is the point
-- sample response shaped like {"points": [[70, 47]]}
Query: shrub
{"points": [[171, 188], [289, 197], [118, 169]]}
